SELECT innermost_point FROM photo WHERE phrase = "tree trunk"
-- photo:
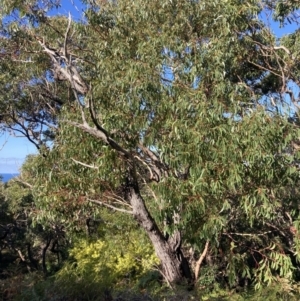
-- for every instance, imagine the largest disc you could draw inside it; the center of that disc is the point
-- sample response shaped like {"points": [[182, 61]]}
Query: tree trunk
{"points": [[44, 251], [175, 266]]}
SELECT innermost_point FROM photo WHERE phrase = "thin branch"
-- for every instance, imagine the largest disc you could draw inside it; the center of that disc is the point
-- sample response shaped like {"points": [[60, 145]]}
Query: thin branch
{"points": [[17, 179], [274, 227], [84, 164], [117, 199], [71, 69], [248, 234], [25, 133], [282, 72], [65, 52], [200, 260], [23, 61], [153, 194], [158, 167], [261, 67], [103, 135], [289, 217], [165, 277], [282, 47], [149, 153], [143, 162], [71, 74], [21, 255], [3, 144], [110, 206], [92, 111]]}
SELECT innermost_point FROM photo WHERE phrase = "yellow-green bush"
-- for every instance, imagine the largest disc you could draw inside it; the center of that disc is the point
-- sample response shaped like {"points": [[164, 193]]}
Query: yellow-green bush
{"points": [[97, 265]]}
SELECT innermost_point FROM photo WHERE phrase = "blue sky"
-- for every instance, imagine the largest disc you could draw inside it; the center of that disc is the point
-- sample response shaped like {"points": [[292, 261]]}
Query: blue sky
{"points": [[13, 150], [72, 6]]}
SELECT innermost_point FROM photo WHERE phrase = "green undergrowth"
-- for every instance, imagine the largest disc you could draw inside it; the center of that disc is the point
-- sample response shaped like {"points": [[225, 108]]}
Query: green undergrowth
{"points": [[98, 271], [33, 287]]}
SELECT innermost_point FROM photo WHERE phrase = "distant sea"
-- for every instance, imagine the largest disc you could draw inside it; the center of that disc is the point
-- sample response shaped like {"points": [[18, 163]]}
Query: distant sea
{"points": [[7, 176]]}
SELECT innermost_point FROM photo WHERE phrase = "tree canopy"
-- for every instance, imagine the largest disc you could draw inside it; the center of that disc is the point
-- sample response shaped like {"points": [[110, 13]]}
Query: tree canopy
{"points": [[180, 114]]}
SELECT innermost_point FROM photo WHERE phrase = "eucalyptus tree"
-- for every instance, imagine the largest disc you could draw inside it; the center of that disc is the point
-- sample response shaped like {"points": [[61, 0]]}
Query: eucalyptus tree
{"points": [[174, 112]]}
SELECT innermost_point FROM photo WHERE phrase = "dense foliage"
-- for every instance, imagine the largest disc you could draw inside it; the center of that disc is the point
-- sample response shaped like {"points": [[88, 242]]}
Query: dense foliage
{"points": [[180, 115]]}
